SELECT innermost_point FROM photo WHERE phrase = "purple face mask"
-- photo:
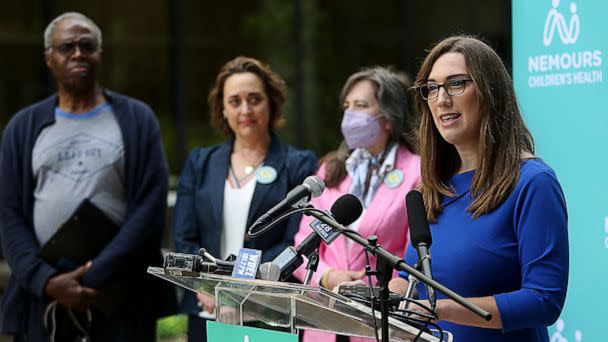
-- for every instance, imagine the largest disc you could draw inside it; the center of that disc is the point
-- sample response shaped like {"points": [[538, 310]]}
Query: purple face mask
{"points": [[360, 130]]}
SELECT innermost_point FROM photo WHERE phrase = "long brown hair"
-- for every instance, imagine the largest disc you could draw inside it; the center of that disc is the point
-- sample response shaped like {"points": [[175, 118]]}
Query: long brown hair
{"points": [[503, 133], [393, 97], [273, 85]]}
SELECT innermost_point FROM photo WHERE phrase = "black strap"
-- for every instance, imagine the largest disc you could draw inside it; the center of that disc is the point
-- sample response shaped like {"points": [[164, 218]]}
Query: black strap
{"points": [[374, 166]]}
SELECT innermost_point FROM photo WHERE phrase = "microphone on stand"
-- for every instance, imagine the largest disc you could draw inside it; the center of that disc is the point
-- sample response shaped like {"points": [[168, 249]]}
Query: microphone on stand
{"points": [[313, 186], [421, 238], [269, 271], [344, 211]]}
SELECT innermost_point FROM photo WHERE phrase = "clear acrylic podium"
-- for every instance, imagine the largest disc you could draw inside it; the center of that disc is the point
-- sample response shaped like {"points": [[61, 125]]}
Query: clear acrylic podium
{"points": [[289, 307]]}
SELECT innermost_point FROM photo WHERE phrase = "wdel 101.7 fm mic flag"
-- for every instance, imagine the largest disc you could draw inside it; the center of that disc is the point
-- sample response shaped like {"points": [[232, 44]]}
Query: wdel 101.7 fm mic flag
{"points": [[420, 234]]}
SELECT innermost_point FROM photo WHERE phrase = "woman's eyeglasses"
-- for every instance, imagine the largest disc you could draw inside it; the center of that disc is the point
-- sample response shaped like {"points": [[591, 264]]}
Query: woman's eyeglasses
{"points": [[430, 91]]}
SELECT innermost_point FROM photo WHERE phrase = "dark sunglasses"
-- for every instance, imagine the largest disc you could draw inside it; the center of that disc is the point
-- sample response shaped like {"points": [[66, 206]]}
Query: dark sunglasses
{"points": [[85, 46]]}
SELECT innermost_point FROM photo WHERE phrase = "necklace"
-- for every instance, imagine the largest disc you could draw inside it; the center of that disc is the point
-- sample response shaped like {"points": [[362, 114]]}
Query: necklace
{"points": [[248, 169], [239, 157]]}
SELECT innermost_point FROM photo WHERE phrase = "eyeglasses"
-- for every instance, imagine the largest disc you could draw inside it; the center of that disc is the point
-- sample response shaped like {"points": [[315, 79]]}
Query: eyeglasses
{"points": [[430, 91], [85, 46]]}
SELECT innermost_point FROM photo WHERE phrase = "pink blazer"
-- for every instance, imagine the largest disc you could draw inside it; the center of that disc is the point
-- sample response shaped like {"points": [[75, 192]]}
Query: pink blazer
{"points": [[385, 217]]}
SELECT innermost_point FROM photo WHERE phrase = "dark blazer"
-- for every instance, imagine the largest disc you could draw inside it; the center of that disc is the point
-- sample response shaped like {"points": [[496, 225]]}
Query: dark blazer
{"points": [[125, 259], [200, 197]]}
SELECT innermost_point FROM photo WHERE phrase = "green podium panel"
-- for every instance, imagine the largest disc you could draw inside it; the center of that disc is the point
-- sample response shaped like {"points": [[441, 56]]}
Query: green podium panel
{"points": [[233, 333]]}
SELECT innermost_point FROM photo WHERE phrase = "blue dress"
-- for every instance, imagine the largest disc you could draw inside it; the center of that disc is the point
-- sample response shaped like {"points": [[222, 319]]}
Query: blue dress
{"points": [[517, 253]]}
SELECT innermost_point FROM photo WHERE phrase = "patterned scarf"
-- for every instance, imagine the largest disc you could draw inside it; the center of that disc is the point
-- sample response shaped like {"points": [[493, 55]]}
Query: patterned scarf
{"points": [[358, 166]]}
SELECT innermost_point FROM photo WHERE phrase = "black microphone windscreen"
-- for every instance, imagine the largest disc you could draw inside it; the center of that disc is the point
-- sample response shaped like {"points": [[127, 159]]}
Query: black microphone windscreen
{"points": [[419, 224], [346, 209]]}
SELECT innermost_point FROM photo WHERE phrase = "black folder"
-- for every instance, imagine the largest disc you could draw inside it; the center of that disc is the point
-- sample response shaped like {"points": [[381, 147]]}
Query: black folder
{"points": [[80, 239]]}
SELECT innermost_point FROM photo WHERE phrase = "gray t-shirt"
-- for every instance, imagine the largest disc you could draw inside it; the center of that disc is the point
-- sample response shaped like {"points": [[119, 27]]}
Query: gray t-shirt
{"points": [[80, 156]]}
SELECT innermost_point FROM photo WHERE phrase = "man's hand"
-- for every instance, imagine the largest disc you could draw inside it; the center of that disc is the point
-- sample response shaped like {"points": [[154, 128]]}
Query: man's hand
{"points": [[65, 288]]}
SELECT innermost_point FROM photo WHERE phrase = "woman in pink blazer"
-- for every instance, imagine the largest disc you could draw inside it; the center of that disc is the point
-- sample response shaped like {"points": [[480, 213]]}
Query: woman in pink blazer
{"points": [[375, 163]]}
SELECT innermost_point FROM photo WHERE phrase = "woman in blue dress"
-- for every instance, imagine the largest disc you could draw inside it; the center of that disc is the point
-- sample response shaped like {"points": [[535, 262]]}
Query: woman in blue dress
{"points": [[498, 214]]}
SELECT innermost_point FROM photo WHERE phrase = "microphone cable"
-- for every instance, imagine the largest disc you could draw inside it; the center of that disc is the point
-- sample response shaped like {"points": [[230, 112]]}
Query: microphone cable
{"points": [[304, 210], [426, 320], [280, 219]]}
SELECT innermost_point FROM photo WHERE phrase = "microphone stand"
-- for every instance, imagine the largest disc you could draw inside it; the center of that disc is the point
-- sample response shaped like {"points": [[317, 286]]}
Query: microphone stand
{"points": [[313, 256], [388, 261], [409, 293], [383, 273], [311, 266]]}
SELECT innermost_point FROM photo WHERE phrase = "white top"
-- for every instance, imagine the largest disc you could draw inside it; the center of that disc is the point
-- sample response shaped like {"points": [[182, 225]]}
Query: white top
{"points": [[234, 216]]}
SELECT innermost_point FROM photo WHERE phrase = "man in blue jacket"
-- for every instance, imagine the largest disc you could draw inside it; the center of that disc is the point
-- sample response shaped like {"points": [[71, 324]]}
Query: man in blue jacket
{"points": [[83, 143]]}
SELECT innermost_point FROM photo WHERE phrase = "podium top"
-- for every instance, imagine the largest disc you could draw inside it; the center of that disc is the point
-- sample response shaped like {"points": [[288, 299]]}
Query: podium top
{"points": [[289, 305]]}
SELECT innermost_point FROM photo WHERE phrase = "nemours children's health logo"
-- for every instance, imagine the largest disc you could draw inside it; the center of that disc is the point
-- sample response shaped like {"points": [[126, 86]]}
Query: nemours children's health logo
{"points": [[571, 66], [556, 22]]}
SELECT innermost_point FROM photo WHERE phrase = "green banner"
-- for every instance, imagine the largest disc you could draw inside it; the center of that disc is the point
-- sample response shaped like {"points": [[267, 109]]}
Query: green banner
{"points": [[233, 333]]}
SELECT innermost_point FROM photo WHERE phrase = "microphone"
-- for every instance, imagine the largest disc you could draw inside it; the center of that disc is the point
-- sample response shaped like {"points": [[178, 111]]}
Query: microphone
{"points": [[179, 264], [345, 211], [205, 254], [420, 234], [269, 271], [313, 186]]}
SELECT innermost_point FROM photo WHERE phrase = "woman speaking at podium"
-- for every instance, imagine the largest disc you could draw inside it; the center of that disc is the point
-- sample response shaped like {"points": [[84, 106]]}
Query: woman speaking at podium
{"points": [[374, 163], [498, 215], [224, 188]]}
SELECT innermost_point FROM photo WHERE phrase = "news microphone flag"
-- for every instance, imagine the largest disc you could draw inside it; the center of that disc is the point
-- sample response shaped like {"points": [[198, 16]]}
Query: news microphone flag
{"points": [[325, 231], [247, 263]]}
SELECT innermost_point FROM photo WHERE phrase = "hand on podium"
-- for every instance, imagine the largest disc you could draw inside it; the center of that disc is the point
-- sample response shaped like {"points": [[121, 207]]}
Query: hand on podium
{"points": [[227, 314], [206, 302], [357, 282], [418, 310], [332, 278]]}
